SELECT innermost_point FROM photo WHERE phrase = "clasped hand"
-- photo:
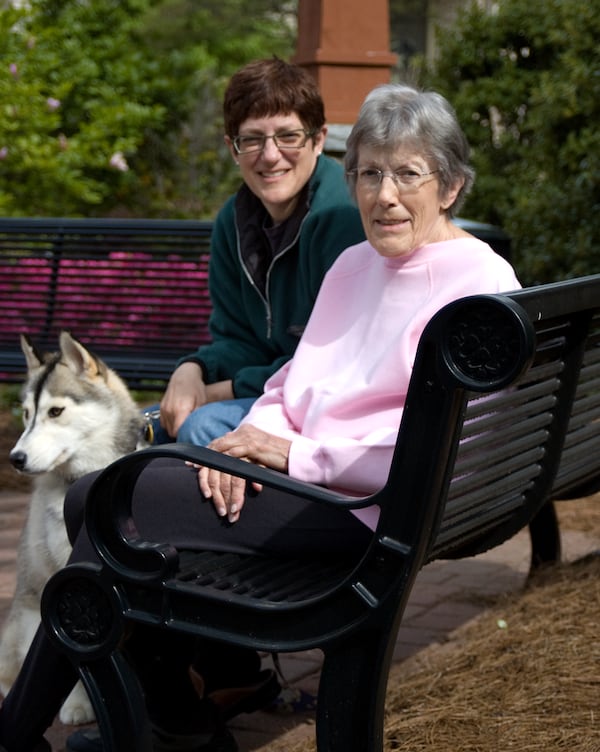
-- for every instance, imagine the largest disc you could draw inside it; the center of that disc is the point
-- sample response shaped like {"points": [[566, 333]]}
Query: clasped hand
{"points": [[228, 492]]}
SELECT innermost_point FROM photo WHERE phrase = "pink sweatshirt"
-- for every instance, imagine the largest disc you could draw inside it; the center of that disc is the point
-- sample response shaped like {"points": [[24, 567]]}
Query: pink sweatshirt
{"points": [[340, 399]]}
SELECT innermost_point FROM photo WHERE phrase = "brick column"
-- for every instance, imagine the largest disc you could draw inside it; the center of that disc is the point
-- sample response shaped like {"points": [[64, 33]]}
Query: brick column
{"points": [[345, 44]]}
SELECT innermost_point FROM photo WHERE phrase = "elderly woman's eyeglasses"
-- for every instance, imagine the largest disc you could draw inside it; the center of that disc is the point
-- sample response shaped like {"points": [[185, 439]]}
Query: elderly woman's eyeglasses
{"points": [[283, 140], [405, 179]]}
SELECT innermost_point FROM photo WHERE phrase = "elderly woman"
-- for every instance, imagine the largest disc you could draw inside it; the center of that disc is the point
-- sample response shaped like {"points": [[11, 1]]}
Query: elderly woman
{"points": [[334, 407]]}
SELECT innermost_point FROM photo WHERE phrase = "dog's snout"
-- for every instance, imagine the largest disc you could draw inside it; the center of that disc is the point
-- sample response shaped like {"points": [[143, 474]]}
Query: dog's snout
{"points": [[18, 459]]}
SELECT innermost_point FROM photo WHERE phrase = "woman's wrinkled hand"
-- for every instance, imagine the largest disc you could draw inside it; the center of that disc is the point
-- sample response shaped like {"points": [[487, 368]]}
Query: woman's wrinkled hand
{"points": [[228, 492]]}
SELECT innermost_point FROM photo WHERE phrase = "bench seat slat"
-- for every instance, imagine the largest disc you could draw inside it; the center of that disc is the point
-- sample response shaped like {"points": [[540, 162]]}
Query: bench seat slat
{"points": [[268, 579]]}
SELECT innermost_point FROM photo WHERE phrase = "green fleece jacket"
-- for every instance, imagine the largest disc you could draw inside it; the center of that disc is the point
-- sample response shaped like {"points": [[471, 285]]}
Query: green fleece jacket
{"points": [[261, 302]]}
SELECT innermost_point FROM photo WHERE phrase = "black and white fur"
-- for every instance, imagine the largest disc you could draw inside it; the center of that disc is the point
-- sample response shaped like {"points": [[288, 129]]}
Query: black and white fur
{"points": [[79, 417]]}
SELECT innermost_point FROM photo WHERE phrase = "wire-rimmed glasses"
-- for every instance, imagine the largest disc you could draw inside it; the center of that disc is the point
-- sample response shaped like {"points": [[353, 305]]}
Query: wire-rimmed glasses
{"points": [[405, 179], [284, 140]]}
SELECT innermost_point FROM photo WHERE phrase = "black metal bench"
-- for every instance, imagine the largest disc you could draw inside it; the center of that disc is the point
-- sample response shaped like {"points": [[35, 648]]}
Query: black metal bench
{"points": [[133, 290], [502, 416]]}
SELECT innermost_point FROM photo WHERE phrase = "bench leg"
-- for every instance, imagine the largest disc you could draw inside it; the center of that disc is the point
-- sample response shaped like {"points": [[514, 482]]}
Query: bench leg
{"points": [[118, 702], [352, 690], [82, 616], [544, 532]]}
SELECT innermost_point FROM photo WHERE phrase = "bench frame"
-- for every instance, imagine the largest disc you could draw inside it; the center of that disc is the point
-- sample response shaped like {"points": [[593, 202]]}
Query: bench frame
{"points": [[502, 416]]}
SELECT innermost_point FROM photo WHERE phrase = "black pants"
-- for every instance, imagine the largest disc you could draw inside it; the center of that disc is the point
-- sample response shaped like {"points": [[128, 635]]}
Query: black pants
{"points": [[168, 506]]}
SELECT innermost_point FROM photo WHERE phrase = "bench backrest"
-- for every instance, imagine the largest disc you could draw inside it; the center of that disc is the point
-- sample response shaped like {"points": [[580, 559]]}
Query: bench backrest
{"points": [[134, 291], [499, 457]]}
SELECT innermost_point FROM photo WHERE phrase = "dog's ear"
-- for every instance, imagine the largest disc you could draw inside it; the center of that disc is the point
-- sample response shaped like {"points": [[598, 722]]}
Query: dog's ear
{"points": [[32, 356], [78, 358]]}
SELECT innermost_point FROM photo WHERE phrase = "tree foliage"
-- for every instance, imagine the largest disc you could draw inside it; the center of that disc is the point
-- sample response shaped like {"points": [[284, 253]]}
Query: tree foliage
{"points": [[525, 81], [114, 105]]}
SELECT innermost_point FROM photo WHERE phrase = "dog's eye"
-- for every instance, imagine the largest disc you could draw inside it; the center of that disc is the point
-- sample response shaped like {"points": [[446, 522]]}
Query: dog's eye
{"points": [[54, 412], [25, 414]]}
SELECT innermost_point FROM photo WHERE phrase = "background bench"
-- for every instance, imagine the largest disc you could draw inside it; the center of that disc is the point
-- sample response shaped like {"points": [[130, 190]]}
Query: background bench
{"points": [[502, 416], [132, 290]]}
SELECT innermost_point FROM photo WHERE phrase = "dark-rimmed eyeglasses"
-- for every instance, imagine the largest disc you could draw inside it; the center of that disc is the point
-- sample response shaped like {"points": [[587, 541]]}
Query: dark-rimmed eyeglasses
{"points": [[283, 140], [405, 179]]}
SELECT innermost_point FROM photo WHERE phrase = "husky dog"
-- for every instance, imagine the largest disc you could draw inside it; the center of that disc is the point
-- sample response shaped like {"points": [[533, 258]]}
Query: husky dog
{"points": [[78, 417]]}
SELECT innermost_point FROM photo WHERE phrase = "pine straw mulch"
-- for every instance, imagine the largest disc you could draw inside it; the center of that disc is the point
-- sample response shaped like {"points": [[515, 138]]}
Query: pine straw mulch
{"points": [[523, 676]]}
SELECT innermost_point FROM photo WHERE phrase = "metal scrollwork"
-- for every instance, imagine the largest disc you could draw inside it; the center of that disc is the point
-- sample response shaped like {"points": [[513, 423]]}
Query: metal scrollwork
{"points": [[486, 343], [84, 612]]}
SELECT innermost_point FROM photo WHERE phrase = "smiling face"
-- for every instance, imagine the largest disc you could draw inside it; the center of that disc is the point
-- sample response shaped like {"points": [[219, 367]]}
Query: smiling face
{"points": [[277, 176], [400, 219]]}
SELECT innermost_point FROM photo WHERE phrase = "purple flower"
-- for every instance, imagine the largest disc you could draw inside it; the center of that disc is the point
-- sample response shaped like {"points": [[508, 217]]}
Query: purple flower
{"points": [[14, 71], [3, 152], [52, 104]]}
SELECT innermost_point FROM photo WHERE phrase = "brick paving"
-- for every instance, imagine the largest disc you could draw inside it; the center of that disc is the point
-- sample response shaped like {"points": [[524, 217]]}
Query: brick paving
{"points": [[446, 595]]}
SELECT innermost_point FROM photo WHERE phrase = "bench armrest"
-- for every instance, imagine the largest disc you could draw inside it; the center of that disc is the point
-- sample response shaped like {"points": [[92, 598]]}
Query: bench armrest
{"points": [[109, 517]]}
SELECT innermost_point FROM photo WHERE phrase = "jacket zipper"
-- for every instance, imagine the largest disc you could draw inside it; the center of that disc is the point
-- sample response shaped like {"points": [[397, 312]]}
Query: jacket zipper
{"points": [[266, 298]]}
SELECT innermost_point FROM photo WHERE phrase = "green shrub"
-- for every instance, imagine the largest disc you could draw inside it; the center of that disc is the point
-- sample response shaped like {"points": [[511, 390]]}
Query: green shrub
{"points": [[525, 81], [115, 105]]}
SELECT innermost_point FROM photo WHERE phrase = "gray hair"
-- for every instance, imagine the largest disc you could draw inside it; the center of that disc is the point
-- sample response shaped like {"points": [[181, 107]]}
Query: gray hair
{"points": [[396, 115]]}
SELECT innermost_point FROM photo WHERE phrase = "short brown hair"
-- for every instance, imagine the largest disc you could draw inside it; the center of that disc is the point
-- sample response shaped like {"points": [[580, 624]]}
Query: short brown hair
{"points": [[269, 87]]}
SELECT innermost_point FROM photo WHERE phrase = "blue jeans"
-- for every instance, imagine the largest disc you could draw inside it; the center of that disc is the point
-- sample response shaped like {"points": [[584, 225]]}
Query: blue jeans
{"points": [[205, 423]]}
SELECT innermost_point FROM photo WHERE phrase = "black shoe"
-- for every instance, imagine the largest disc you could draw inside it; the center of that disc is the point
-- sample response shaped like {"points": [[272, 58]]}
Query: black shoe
{"points": [[231, 701], [84, 740], [42, 746], [221, 740], [246, 689], [88, 740]]}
